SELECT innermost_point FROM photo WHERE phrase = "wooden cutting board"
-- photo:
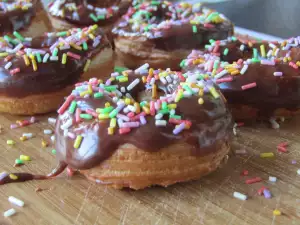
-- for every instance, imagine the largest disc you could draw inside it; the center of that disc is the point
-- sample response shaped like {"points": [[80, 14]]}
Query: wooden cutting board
{"points": [[75, 200]]}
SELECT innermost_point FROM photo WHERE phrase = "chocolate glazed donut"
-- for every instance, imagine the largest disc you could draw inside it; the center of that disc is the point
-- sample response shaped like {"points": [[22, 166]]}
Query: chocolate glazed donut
{"points": [[36, 73], [162, 34], [65, 14], [141, 128], [260, 80]]}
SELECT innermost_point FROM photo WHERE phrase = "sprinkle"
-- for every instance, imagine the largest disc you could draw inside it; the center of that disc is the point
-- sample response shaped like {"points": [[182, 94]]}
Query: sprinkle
{"points": [[179, 128], [86, 116], [87, 65], [261, 190], [133, 84], [53, 58], [9, 213], [66, 104], [8, 65], [200, 101], [267, 155], [13, 176], [226, 50], [262, 51], [277, 74], [298, 171], [272, 179], [27, 135], [276, 212], [15, 201], [26, 60], [248, 86], [10, 142], [48, 132], [253, 180], [124, 130], [25, 157], [53, 151], [195, 30], [214, 92], [44, 144], [46, 57], [160, 123], [240, 196], [3, 54], [73, 55], [255, 53], [78, 141], [267, 193], [72, 107], [18, 36], [19, 162], [64, 59], [223, 80], [93, 17], [51, 120]]}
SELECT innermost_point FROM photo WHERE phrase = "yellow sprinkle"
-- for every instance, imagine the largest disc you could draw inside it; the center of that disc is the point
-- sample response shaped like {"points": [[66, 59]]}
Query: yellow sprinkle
{"points": [[289, 58], [103, 116], [200, 101], [298, 63], [23, 138], [144, 79], [100, 81], [44, 144], [179, 95], [31, 56], [10, 142], [24, 8], [172, 106], [78, 141], [34, 65], [13, 177], [285, 59], [214, 92], [110, 130], [90, 89], [267, 155], [213, 73], [26, 60], [84, 93], [146, 109], [125, 73], [151, 71], [107, 104], [87, 65], [262, 51], [64, 59], [276, 212], [235, 72], [154, 91], [201, 92], [127, 101], [113, 122], [250, 44], [137, 107], [274, 51], [91, 36], [94, 27], [25, 157], [76, 46], [123, 79], [3, 54]]}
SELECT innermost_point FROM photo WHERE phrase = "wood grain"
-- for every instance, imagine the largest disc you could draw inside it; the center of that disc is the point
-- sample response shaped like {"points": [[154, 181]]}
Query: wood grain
{"points": [[207, 201]]}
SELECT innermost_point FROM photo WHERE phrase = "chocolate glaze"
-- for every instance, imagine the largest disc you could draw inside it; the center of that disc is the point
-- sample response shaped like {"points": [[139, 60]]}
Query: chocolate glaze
{"points": [[174, 37], [51, 76], [211, 126], [84, 12], [272, 92], [17, 18]]}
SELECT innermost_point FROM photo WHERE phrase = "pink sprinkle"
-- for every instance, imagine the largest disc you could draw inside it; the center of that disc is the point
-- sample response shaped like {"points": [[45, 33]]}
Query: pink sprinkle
{"points": [[124, 130], [277, 74], [152, 108], [66, 104], [240, 61], [92, 113], [208, 25], [210, 66], [130, 124], [14, 126], [14, 71], [71, 135], [267, 62], [130, 115], [292, 64], [73, 55], [248, 86], [223, 80], [77, 115]]}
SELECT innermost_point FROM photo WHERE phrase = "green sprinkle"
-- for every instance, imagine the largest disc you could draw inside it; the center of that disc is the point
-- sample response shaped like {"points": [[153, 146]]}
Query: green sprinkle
{"points": [[155, 2], [182, 63], [93, 17], [72, 107], [164, 111], [216, 64], [119, 77], [212, 16], [38, 57], [255, 53], [226, 50], [212, 41], [195, 30], [255, 60], [175, 117], [120, 69], [233, 38], [101, 17], [85, 46], [18, 36], [86, 116], [110, 88], [105, 110], [53, 151], [143, 103], [188, 89], [8, 39], [55, 51], [164, 105], [19, 161], [61, 34], [113, 113], [98, 95], [207, 46]]}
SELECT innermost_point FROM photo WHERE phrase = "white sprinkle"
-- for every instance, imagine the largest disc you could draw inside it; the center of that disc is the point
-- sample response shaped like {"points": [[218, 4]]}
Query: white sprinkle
{"points": [[244, 69], [8, 65], [123, 89], [3, 174], [67, 124], [46, 57], [54, 58], [239, 195], [131, 108], [141, 68], [51, 120], [271, 45], [15, 201], [47, 131], [242, 48], [277, 74], [163, 80], [159, 116], [269, 54], [133, 84], [298, 171], [160, 123], [274, 124], [221, 74], [52, 138], [272, 179], [27, 135], [9, 213]]}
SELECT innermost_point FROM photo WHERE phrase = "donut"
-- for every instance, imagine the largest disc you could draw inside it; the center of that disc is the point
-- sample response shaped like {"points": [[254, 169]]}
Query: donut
{"points": [[162, 34], [25, 16], [260, 80], [65, 14], [36, 73], [141, 128]]}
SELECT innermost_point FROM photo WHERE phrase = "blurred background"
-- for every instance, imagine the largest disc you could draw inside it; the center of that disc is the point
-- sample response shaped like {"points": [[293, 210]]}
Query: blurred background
{"points": [[275, 17]]}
